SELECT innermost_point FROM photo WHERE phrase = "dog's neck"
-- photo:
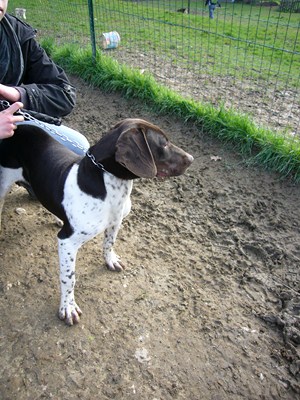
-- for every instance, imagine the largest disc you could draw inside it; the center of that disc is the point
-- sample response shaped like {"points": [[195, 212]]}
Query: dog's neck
{"points": [[104, 154]]}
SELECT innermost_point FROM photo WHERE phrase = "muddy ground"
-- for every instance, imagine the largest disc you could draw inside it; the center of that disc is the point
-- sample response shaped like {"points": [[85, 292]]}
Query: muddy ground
{"points": [[208, 307]]}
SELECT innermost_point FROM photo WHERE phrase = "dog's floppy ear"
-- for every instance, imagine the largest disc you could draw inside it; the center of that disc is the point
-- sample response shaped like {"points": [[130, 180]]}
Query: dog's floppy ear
{"points": [[133, 152]]}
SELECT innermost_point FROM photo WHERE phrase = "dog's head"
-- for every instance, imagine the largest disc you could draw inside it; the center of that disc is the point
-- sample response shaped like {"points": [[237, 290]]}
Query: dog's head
{"points": [[145, 150]]}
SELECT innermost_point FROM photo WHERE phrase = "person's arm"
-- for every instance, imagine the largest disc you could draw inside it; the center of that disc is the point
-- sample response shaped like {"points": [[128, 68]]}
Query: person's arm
{"points": [[45, 87], [9, 93], [8, 120]]}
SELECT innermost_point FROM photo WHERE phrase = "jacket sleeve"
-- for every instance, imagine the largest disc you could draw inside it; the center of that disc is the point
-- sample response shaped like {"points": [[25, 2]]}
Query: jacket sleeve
{"points": [[45, 87]]}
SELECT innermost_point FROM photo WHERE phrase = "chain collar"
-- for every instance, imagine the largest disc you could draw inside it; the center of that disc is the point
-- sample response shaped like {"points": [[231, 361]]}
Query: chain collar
{"points": [[93, 159]]}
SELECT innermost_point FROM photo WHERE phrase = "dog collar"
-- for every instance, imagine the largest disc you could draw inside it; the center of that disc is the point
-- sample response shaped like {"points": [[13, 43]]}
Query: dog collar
{"points": [[92, 158]]}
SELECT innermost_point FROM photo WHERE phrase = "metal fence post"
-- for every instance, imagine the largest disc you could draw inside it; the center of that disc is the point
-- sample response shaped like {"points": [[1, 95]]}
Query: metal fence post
{"points": [[92, 28]]}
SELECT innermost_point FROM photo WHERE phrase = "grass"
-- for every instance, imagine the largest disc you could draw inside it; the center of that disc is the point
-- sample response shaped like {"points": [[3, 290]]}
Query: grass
{"points": [[263, 146], [245, 41], [251, 38]]}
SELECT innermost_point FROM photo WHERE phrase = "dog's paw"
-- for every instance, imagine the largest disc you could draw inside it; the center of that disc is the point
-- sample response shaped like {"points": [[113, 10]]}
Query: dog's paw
{"points": [[114, 263], [70, 314], [58, 222]]}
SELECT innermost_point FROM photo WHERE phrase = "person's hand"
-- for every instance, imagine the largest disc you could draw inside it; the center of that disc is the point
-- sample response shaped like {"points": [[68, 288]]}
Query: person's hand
{"points": [[9, 93], [8, 120]]}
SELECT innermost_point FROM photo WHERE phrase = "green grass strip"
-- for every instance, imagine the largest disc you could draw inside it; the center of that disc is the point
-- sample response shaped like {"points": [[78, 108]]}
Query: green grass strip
{"points": [[274, 151]]}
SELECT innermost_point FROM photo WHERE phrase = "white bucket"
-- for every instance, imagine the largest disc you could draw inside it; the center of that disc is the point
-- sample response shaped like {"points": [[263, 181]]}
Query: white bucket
{"points": [[20, 13], [110, 40]]}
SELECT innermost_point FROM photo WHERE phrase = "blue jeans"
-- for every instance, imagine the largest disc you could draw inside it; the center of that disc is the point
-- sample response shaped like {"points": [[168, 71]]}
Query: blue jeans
{"points": [[70, 138], [211, 9]]}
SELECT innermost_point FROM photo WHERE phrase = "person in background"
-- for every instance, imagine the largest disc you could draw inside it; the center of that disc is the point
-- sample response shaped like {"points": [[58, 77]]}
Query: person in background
{"points": [[211, 7], [29, 79]]}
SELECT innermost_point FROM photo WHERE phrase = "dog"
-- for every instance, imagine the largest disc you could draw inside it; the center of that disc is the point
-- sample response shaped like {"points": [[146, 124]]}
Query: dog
{"points": [[89, 194], [183, 10]]}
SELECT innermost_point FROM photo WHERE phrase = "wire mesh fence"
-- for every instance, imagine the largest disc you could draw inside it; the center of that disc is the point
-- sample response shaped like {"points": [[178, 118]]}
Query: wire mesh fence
{"points": [[239, 54]]}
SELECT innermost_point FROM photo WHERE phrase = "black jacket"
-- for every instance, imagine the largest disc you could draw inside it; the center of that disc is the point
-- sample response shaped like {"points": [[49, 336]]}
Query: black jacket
{"points": [[43, 85]]}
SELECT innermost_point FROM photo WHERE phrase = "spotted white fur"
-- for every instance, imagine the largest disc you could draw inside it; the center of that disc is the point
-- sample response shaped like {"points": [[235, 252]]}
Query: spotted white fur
{"points": [[89, 217]]}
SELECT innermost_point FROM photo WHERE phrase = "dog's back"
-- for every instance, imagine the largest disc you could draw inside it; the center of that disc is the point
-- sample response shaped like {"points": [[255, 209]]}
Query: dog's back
{"points": [[34, 157]]}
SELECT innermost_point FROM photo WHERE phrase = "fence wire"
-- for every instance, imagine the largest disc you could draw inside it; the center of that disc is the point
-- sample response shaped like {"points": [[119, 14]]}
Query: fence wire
{"points": [[247, 57]]}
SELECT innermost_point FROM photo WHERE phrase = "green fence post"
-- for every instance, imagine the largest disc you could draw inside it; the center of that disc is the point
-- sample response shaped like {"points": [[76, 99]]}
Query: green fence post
{"points": [[92, 28]]}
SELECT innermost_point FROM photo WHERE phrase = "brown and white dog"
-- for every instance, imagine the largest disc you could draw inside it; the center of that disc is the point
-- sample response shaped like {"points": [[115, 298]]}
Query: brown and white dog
{"points": [[90, 194]]}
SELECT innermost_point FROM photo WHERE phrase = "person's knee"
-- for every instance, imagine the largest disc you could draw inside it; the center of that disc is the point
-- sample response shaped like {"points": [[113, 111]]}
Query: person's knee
{"points": [[73, 140], [76, 141]]}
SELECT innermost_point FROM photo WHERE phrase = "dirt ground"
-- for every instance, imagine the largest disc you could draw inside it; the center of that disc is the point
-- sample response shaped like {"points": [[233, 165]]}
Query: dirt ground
{"points": [[208, 307]]}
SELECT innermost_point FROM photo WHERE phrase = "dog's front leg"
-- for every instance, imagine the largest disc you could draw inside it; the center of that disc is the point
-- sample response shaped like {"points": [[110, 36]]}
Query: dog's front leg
{"points": [[112, 259], [68, 310]]}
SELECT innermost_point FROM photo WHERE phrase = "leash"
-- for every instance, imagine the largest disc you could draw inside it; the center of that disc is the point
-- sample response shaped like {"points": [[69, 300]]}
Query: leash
{"points": [[4, 104]]}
